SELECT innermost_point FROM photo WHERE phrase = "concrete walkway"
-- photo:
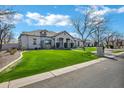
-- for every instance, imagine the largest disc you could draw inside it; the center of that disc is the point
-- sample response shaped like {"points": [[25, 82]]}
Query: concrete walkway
{"points": [[109, 54]]}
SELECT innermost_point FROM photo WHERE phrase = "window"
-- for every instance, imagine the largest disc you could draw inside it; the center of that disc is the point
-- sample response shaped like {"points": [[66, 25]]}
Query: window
{"points": [[34, 41], [42, 33], [67, 40]]}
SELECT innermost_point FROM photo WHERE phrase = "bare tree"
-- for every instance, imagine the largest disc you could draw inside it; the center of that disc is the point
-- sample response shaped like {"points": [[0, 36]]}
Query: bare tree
{"points": [[99, 35], [5, 12], [5, 27], [109, 38], [83, 26], [8, 37], [118, 40]]}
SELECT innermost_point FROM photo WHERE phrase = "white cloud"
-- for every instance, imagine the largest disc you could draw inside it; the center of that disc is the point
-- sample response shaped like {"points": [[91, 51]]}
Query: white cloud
{"points": [[121, 10], [49, 19], [12, 19], [34, 16], [100, 10], [17, 18], [28, 21]]}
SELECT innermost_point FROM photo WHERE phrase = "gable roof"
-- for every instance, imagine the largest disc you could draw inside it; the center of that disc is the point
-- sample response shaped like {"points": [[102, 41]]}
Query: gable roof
{"points": [[48, 33], [37, 33], [63, 32]]}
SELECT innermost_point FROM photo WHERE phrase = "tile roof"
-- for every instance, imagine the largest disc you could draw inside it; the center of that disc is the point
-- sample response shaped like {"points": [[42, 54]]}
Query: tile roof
{"points": [[48, 33], [37, 33]]}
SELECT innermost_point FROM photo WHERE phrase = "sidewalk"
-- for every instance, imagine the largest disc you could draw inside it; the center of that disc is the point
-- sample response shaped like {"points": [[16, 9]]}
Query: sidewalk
{"points": [[108, 53]]}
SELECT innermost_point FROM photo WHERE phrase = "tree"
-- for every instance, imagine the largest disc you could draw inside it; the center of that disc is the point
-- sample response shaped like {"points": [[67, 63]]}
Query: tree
{"points": [[83, 26], [118, 40], [5, 26], [99, 35], [8, 37], [109, 38], [5, 12]]}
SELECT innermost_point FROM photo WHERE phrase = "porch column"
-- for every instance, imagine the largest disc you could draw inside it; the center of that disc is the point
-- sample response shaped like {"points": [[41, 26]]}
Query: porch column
{"points": [[54, 41]]}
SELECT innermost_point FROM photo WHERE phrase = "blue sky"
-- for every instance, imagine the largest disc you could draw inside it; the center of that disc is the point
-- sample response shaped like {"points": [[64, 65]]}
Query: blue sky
{"points": [[57, 18]]}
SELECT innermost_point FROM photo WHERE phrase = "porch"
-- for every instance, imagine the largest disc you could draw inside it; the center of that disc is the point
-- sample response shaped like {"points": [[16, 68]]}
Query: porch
{"points": [[61, 44]]}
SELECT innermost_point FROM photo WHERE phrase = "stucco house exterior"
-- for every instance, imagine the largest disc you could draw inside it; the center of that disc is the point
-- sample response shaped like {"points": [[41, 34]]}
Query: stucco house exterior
{"points": [[44, 39]]}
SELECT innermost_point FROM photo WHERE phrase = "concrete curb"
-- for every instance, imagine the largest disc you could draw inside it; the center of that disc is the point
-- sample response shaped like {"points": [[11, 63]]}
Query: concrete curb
{"points": [[12, 62], [29, 80], [43, 76]]}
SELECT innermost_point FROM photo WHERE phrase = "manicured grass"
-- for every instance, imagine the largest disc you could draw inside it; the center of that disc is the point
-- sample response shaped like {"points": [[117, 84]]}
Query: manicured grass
{"points": [[117, 51], [39, 61], [87, 49]]}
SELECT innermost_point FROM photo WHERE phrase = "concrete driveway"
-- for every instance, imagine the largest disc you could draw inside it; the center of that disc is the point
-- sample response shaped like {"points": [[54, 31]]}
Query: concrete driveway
{"points": [[106, 74]]}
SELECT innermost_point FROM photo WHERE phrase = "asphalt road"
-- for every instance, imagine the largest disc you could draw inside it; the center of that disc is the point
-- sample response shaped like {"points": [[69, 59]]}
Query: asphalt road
{"points": [[106, 74]]}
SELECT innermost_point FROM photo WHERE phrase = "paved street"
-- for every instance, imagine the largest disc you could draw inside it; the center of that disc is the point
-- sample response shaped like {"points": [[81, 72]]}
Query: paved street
{"points": [[106, 74]]}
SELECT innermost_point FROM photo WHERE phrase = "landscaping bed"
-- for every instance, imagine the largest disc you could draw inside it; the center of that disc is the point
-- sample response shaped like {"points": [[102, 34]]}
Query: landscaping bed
{"points": [[39, 61]]}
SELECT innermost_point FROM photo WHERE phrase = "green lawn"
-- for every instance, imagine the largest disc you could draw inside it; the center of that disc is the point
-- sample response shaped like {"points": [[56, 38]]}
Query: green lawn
{"points": [[117, 51], [88, 49], [39, 61]]}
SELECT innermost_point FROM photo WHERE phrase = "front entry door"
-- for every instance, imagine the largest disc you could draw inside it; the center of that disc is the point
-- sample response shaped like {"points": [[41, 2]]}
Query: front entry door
{"points": [[42, 44], [61, 42]]}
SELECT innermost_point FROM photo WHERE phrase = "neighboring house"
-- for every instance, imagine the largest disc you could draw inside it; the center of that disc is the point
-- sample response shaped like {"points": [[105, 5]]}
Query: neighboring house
{"points": [[10, 45], [43, 39], [89, 43]]}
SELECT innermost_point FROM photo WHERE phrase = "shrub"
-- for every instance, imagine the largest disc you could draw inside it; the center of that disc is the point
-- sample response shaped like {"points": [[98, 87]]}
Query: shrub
{"points": [[13, 51], [23, 48], [111, 46], [8, 50], [35, 48]]}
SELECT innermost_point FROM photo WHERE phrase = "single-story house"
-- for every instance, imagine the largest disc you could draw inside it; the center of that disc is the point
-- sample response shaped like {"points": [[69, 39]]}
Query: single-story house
{"points": [[44, 39]]}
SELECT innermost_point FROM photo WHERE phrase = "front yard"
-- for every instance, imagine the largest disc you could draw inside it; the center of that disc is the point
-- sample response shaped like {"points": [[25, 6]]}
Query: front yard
{"points": [[39, 61]]}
